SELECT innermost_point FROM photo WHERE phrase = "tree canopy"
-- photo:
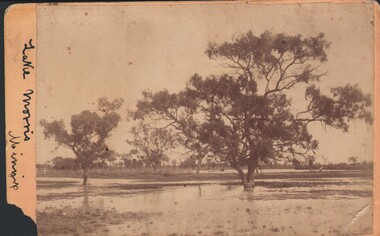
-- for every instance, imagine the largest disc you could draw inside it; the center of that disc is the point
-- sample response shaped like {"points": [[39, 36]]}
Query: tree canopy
{"points": [[246, 116], [150, 145], [60, 163], [89, 131]]}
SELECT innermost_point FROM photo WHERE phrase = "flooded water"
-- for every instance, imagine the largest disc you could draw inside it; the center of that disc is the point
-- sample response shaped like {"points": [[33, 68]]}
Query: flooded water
{"points": [[341, 206]]}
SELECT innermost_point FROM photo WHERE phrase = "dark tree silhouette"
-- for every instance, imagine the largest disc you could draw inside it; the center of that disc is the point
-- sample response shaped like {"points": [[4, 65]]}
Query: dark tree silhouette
{"points": [[89, 131], [246, 116]]}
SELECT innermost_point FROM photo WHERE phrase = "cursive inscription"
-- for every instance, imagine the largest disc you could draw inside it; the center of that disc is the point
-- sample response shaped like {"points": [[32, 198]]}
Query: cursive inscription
{"points": [[26, 113], [27, 64], [14, 142]]}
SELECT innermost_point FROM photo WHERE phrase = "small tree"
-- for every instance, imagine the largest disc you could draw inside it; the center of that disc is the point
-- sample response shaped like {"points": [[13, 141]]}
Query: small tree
{"points": [[353, 159], [89, 131], [60, 163], [310, 162], [151, 144], [130, 159], [324, 159], [175, 113], [189, 162]]}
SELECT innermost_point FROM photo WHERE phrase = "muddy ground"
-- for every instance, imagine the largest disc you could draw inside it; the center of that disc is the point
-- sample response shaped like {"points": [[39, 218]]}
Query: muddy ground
{"points": [[291, 204]]}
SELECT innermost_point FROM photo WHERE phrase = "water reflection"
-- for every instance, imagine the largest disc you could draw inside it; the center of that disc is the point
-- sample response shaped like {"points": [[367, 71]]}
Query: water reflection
{"points": [[86, 201], [216, 208], [152, 198], [230, 187]]}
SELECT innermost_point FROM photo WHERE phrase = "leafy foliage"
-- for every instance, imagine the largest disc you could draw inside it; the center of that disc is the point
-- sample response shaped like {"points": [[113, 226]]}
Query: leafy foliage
{"points": [[150, 145], [246, 117], [89, 131], [60, 163]]}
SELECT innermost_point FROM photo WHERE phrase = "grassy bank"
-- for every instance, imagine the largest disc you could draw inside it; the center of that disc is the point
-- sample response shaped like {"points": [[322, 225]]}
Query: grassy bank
{"points": [[177, 174]]}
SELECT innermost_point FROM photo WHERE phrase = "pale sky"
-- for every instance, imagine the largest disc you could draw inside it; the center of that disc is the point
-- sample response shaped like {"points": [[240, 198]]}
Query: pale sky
{"points": [[87, 52]]}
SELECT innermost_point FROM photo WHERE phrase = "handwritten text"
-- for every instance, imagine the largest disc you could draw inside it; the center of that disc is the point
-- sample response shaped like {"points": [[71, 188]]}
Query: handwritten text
{"points": [[14, 142], [26, 113], [27, 64]]}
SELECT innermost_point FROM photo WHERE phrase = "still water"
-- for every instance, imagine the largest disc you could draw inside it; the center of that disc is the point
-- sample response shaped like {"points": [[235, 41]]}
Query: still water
{"points": [[337, 207]]}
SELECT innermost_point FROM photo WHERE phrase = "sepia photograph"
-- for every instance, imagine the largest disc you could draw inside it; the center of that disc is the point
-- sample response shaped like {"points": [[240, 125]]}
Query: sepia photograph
{"points": [[211, 118]]}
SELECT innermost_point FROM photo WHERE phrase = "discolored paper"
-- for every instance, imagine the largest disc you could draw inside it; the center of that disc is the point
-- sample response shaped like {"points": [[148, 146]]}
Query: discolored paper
{"points": [[61, 58]]}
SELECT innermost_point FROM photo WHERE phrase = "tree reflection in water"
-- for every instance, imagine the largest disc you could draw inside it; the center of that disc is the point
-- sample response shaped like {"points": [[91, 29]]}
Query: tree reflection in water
{"points": [[86, 201]]}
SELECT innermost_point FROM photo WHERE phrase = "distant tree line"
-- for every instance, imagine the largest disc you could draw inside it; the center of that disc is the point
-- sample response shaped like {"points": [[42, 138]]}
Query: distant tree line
{"points": [[70, 163]]}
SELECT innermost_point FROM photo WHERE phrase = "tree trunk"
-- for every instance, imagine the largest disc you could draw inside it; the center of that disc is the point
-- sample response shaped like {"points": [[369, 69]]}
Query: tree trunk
{"points": [[85, 176], [86, 201], [198, 165], [249, 184], [241, 174], [248, 179]]}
